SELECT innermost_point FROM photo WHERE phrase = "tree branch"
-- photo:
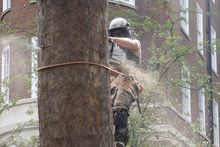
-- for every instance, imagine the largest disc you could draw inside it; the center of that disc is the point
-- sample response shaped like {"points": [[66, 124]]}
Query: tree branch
{"points": [[177, 57]]}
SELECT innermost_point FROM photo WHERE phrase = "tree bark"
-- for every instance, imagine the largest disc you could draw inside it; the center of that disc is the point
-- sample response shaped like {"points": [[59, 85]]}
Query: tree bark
{"points": [[74, 105]]}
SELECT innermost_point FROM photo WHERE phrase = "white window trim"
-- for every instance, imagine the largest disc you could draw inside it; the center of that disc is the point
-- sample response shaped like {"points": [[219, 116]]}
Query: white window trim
{"points": [[33, 1], [216, 123], [6, 5], [184, 14], [130, 2], [199, 16], [186, 93], [202, 108], [5, 77], [34, 64], [213, 48]]}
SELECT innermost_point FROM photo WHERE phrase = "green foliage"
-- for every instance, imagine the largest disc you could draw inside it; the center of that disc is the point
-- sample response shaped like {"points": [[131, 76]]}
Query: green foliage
{"points": [[4, 105], [6, 28], [139, 128], [18, 140], [141, 124]]}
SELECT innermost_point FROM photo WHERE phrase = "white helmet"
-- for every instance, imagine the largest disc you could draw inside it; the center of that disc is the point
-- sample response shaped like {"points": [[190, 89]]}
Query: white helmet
{"points": [[119, 23]]}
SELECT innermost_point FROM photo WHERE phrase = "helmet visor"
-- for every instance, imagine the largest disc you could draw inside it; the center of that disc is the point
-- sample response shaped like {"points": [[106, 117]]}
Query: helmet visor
{"points": [[120, 32]]}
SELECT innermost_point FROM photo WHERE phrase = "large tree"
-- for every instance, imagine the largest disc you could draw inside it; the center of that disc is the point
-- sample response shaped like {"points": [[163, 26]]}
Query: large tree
{"points": [[74, 109]]}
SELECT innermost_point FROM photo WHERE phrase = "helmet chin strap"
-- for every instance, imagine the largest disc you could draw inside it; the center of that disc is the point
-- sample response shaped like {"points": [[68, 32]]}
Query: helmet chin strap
{"points": [[111, 50]]}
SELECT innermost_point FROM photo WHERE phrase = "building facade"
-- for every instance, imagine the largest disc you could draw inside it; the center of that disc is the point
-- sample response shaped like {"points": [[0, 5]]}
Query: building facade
{"points": [[195, 121]]}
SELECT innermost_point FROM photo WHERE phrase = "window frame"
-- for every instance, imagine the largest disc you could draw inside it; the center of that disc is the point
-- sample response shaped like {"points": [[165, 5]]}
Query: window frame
{"points": [[6, 4], [34, 65], [215, 123], [129, 2], [33, 1], [213, 50], [186, 93], [184, 14], [202, 114], [199, 20], [5, 72]]}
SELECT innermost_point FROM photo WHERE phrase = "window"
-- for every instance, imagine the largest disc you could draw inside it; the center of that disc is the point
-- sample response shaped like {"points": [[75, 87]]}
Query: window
{"points": [[5, 73], [186, 93], [6, 5], [34, 76], [33, 1], [201, 94], [199, 17], [130, 2], [184, 15], [213, 47], [213, 1], [215, 123]]}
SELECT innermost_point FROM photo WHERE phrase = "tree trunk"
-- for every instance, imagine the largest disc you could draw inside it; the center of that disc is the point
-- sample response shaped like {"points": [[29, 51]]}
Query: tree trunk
{"points": [[74, 105]]}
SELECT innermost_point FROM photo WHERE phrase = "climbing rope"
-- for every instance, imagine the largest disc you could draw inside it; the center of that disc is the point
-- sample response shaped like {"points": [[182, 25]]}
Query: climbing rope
{"points": [[79, 62]]}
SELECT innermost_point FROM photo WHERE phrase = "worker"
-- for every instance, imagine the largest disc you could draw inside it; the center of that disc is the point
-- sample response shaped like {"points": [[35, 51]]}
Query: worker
{"points": [[124, 89]]}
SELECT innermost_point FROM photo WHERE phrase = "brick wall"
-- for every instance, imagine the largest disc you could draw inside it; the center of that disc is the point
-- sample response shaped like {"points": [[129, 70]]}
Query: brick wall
{"points": [[20, 69], [22, 14], [156, 10]]}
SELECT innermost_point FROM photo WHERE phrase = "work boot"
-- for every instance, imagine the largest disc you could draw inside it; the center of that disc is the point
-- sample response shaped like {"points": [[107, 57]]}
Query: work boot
{"points": [[119, 144]]}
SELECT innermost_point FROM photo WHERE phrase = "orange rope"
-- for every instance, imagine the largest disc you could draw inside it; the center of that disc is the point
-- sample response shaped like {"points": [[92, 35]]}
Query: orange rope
{"points": [[78, 62]]}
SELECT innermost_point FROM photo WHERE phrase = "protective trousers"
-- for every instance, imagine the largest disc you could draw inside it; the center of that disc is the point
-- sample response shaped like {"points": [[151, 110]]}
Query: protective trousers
{"points": [[120, 118]]}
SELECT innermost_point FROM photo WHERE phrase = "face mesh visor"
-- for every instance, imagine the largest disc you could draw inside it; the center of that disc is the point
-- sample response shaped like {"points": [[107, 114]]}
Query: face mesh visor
{"points": [[120, 32]]}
